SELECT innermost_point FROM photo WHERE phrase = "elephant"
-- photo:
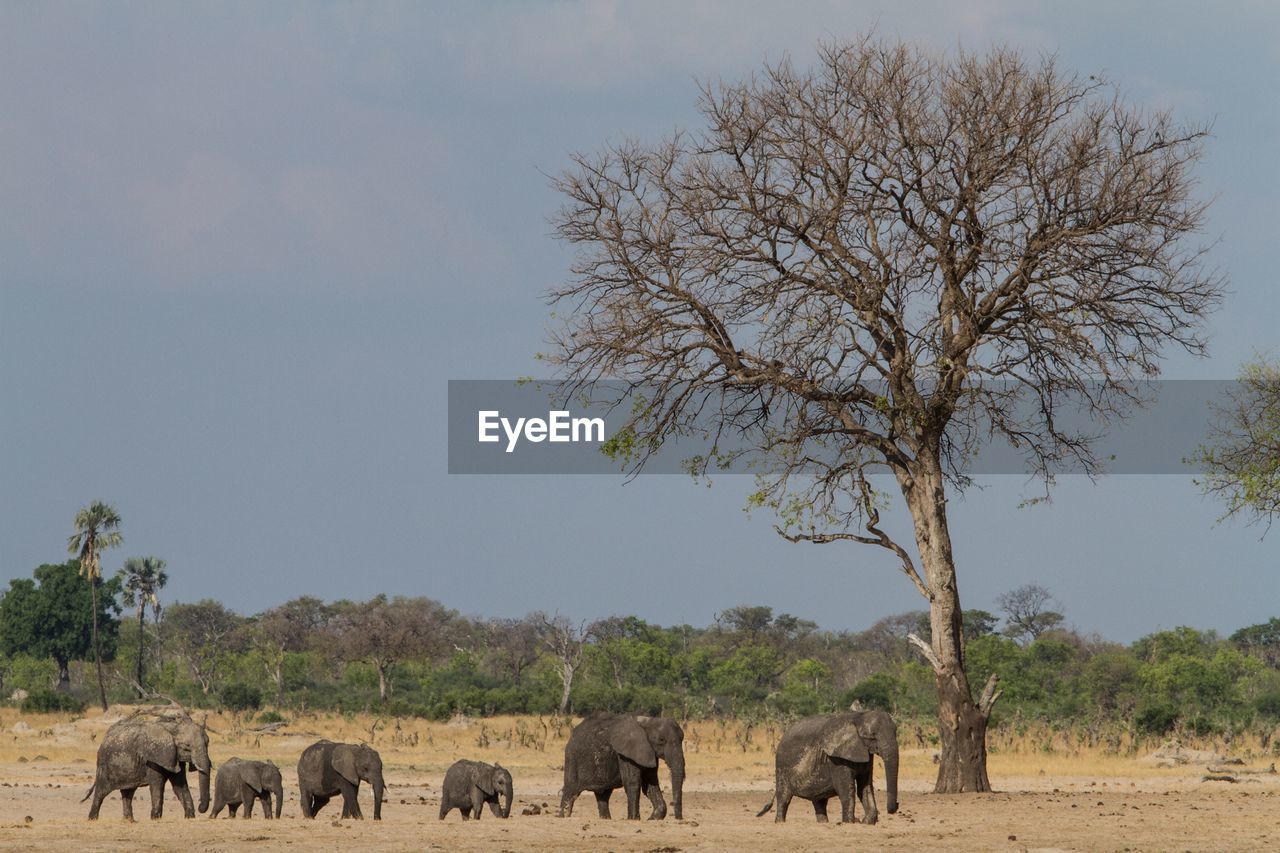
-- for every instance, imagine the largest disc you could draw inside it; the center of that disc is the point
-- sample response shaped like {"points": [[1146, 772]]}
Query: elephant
{"points": [[607, 751], [830, 755], [136, 752], [240, 782], [468, 785], [327, 769]]}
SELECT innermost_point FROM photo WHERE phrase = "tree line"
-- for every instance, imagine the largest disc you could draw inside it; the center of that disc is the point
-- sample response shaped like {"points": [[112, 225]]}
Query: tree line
{"points": [[414, 656]]}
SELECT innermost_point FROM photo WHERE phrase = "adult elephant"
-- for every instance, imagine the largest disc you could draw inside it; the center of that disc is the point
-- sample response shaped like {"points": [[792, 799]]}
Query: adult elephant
{"points": [[327, 769], [830, 756], [468, 785], [609, 751], [138, 751], [240, 782]]}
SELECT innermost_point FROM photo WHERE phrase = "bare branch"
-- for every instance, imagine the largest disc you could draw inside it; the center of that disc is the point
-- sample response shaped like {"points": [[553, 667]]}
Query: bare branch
{"points": [[990, 695], [927, 651]]}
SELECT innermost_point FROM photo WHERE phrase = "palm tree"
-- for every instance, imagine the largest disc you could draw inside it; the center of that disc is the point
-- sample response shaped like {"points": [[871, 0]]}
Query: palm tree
{"points": [[143, 577], [97, 528]]}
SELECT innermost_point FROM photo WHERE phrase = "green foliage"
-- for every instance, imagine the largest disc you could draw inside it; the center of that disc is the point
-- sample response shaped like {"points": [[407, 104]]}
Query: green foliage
{"points": [[24, 672], [1268, 705], [875, 692], [51, 615], [751, 661], [46, 701], [1239, 464], [242, 697]]}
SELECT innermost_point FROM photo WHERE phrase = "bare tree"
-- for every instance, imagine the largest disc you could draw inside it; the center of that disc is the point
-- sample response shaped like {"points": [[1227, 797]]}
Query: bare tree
{"points": [[385, 632], [203, 635], [1241, 462], [862, 269], [289, 628], [512, 645], [1029, 611], [566, 641]]}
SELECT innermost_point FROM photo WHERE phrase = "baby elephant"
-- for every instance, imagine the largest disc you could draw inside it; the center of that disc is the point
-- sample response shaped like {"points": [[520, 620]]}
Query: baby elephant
{"points": [[241, 782], [468, 785]]}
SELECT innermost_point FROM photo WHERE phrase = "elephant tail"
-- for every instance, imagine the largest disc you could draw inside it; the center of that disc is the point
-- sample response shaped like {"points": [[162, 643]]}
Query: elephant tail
{"points": [[767, 806], [89, 793]]}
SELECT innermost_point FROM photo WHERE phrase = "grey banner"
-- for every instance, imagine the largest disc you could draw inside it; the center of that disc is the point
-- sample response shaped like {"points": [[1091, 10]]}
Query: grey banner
{"points": [[538, 427]]}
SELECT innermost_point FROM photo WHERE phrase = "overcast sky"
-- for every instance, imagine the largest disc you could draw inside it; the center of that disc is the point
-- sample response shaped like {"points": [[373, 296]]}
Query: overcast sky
{"points": [[244, 246]]}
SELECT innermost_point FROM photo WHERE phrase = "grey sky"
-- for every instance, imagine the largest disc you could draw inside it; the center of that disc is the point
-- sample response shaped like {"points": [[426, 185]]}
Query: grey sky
{"points": [[243, 247]]}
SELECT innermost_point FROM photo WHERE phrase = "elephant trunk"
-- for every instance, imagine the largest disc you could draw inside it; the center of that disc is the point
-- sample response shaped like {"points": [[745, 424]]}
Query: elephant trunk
{"points": [[277, 791], [675, 762], [204, 787], [378, 786], [890, 756], [505, 795]]}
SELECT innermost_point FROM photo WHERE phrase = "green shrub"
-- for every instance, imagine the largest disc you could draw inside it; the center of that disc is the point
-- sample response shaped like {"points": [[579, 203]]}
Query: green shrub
{"points": [[242, 697], [876, 692], [48, 701], [1268, 705], [271, 717], [1157, 718]]}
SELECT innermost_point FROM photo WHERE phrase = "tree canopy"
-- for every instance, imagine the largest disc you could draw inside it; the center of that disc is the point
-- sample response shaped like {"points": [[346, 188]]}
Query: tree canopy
{"points": [[50, 615], [866, 267]]}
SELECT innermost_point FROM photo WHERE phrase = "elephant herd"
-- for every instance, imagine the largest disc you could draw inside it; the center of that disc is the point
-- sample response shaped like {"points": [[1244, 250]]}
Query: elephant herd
{"points": [[818, 758]]}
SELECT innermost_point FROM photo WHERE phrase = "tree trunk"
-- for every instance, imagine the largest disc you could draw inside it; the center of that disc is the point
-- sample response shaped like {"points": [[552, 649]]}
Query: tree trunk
{"points": [[64, 675], [566, 679], [962, 723], [382, 681], [97, 647], [141, 629]]}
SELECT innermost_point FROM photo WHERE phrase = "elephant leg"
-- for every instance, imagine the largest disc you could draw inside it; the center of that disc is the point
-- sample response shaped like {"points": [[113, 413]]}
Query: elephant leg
{"points": [[567, 798], [842, 781], [350, 802], [233, 808], [602, 804], [266, 803], [782, 801], [631, 784], [179, 782], [126, 800], [444, 807], [493, 808], [867, 794], [247, 796], [651, 789], [99, 794], [317, 803], [477, 803], [156, 783], [466, 811], [820, 809]]}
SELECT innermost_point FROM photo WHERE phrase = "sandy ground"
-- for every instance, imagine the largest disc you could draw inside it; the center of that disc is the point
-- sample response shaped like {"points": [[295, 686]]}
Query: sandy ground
{"points": [[1082, 802]]}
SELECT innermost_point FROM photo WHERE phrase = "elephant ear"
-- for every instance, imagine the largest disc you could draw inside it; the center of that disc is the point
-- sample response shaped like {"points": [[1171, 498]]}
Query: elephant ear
{"points": [[629, 740], [482, 776], [162, 754], [251, 775], [845, 743], [344, 761]]}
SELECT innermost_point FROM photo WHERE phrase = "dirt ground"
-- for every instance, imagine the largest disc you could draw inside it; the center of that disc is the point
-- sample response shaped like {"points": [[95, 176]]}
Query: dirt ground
{"points": [[1082, 801]]}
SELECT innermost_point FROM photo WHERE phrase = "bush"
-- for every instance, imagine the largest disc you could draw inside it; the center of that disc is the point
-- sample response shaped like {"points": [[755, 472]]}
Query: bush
{"points": [[1268, 705], [874, 692], [242, 697], [48, 701], [271, 717], [1157, 718]]}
